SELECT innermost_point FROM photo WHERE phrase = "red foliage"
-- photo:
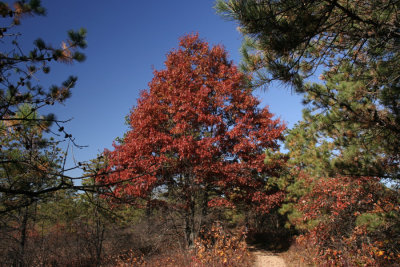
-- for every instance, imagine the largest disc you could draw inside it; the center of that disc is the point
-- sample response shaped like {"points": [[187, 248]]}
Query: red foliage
{"points": [[351, 221], [197, 127]]}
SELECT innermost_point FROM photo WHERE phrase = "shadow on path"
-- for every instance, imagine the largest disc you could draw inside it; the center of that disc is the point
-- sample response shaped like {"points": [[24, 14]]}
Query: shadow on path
{"points": [[269, 242]]}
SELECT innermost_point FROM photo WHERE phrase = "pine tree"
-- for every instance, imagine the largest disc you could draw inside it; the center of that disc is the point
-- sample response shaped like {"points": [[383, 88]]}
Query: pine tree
{"points": [[348, 138], [21, 100], [355, 45]]}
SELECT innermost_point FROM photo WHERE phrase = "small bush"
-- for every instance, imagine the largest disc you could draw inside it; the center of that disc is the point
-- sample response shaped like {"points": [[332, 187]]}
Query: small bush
{"points": [[216, 248]]}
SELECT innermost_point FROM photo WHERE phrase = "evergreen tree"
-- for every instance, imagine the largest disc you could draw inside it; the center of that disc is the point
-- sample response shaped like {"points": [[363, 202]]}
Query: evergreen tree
{"points": [[30, 164], [27, 159], [355, 44]]}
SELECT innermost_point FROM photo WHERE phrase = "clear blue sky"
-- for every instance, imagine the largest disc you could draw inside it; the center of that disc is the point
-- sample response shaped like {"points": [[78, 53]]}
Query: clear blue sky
{"points": [[125, 39]]}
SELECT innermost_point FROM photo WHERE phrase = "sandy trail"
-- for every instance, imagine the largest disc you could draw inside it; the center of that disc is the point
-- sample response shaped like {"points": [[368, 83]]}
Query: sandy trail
{"points": [[267, 259]]}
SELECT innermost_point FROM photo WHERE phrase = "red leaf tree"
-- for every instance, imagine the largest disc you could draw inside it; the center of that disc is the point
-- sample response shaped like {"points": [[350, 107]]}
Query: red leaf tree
{"points": [[197, 137]]}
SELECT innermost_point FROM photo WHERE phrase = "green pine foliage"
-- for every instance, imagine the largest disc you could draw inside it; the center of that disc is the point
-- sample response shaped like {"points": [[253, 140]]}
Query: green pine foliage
{"points": [[350, 130], [25, 154], [355, 46]]}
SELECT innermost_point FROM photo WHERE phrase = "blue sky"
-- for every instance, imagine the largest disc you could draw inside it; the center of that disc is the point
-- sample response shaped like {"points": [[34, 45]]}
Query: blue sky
{"points": [[126, 39]]}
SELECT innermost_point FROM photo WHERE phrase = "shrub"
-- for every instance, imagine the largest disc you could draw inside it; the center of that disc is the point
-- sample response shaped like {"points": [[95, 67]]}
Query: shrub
{"points": [[217, 247], [351, 221]]}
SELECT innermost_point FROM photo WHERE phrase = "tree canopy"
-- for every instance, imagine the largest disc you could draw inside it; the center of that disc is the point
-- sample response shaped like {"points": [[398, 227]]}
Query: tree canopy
{"points": [[292, 38], [354, 45]]}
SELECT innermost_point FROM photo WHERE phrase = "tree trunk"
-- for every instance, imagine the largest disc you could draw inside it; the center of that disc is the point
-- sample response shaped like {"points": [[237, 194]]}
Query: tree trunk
{"points": [[100, 229], [189, 222], [148, 215], [204, 208], [21, 255]]}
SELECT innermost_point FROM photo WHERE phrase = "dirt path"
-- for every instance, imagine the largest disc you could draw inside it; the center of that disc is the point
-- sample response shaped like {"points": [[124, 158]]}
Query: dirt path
{"points": [[267, 259]]}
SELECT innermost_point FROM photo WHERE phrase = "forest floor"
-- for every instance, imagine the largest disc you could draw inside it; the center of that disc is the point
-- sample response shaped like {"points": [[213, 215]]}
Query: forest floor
{"points": [[278, 252], [268, 249], [267, 259]]}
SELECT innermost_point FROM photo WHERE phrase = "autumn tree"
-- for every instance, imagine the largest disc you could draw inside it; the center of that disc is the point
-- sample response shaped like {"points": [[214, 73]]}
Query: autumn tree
{"points": [[21, 100], [198, 139]]}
